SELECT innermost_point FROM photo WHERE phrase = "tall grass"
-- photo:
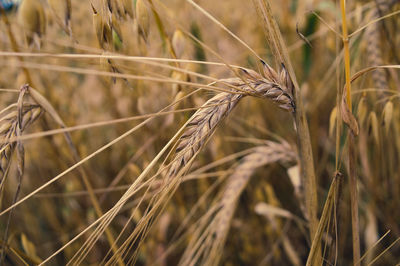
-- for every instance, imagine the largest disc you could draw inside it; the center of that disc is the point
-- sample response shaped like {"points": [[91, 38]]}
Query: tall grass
{"points": [[172, 132]]}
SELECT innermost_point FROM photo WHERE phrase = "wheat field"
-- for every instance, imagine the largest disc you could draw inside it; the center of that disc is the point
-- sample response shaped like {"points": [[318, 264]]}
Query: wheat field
{"points": [[182, 132]]}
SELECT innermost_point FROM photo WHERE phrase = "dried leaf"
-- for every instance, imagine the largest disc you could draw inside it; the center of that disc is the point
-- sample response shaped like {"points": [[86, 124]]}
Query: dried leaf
{"points": [[348, 117], [323, 223]]}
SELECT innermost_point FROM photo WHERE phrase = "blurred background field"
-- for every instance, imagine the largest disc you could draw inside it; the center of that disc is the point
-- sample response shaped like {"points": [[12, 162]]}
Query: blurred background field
{"points": [[107, 66]]}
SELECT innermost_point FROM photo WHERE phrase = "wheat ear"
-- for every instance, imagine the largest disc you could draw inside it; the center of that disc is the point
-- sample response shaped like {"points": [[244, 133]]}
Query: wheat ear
{"points": [[12, 125], [374, 47], [202, 124], [273, 86], [8, 130], [207, 245]]}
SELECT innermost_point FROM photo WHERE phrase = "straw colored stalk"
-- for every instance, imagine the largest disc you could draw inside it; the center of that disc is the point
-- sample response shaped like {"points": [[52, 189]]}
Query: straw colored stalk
{"points": [[347, 113], [281, 54]]}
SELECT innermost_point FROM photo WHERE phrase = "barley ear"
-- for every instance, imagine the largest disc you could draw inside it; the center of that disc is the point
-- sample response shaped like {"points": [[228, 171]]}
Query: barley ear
{"points": [[387, 116]]}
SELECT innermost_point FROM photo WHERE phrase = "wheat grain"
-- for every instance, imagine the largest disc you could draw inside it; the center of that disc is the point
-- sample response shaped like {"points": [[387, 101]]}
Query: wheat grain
{"points": [[143, 19]]}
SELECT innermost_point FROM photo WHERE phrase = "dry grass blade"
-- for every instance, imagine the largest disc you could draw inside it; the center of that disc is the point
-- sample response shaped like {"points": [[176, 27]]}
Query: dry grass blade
{"points": [[368, 252], [45, 104], [325, 217], [106, 219], [222, 26], [348, 117], [86, 71], [383, 252], [97, 152]]}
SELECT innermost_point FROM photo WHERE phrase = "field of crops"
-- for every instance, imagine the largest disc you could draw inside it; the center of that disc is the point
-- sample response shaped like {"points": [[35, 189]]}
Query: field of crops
{"points": [[182, 132]]}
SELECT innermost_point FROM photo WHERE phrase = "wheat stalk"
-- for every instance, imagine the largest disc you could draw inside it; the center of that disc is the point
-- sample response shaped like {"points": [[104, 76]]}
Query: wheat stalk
{"points": [[207, 245]]}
